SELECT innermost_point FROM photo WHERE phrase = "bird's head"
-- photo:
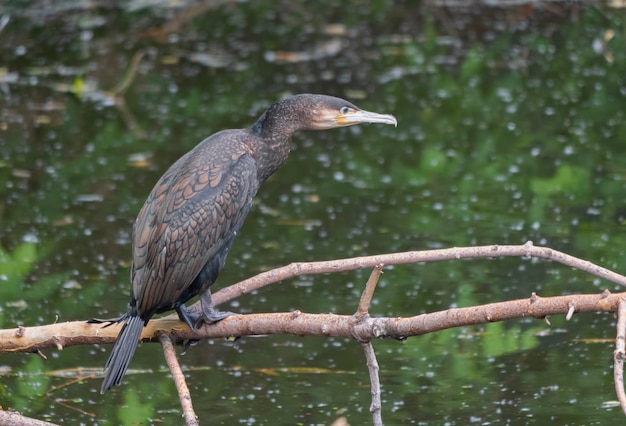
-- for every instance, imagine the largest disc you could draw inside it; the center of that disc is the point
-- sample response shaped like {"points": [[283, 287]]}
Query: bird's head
{"points": [[321, 112], [312, 112]]}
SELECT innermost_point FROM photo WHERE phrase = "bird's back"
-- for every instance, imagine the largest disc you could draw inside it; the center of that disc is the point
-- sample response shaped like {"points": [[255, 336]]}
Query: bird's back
{"points": [[190, 219]]}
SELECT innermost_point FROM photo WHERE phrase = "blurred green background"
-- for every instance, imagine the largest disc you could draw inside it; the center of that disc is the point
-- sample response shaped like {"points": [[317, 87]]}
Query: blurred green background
{"points": [[511, 128]]}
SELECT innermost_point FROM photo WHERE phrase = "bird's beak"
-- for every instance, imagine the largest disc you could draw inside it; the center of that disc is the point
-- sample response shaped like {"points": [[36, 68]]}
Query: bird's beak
{"points": [[359, 116]]}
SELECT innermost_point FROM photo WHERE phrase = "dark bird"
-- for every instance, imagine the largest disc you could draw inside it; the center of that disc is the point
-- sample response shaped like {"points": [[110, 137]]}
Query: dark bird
{"points": [[188, 223]]}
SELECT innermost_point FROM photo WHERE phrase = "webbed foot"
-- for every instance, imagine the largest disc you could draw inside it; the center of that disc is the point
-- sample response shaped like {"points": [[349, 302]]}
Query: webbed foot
{"points": [[210, 315]]}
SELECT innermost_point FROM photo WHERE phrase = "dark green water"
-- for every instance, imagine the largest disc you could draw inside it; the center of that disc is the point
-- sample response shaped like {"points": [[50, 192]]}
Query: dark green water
{"points": [[511, 128]]}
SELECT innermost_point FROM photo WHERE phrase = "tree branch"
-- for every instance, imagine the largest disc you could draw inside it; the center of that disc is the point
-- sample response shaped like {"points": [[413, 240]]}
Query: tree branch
{"points": [[359, 326], [361, 315], [618, 355], [372, 367], [527, 250], [370, 287], [191, 419], [14, 418], [60, 335]]}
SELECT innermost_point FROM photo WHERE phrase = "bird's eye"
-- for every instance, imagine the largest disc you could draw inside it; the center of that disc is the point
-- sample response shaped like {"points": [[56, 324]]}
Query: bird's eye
{"points": [[345, 110]]}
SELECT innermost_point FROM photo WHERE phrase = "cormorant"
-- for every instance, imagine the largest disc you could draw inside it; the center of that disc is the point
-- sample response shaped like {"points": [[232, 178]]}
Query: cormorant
{"points": [[188, 223]]}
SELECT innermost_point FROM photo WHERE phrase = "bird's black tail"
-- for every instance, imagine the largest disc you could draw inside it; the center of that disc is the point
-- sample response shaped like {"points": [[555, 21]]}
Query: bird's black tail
{"points": [[122, 352]]}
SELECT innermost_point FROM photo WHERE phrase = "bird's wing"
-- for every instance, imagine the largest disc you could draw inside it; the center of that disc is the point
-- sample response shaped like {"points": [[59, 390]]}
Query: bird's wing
{"points": [[192, 214]]}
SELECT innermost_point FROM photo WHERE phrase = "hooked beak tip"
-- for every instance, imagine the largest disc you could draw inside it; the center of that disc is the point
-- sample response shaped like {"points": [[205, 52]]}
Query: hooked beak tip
{"points": [[362, 117]]}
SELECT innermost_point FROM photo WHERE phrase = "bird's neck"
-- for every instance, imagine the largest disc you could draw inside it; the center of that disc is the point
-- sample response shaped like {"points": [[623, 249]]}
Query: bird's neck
{"points": [[274, 129], [271, 146]]}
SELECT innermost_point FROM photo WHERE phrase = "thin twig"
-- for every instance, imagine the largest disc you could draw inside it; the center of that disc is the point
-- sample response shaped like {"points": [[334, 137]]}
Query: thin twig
{"points": [[619, 354], [368, 293], [368, 349], [179, 379], [372, 367], [129, 77]]}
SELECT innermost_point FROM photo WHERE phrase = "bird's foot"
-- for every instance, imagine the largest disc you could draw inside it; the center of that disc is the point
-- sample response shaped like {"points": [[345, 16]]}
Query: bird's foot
{"points": [[187, 344], [211, 316], [208, 315]]}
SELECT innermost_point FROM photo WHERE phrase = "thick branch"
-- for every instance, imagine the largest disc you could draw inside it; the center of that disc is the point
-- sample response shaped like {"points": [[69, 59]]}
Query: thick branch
{"points": [[33, 339], [14, 418]]}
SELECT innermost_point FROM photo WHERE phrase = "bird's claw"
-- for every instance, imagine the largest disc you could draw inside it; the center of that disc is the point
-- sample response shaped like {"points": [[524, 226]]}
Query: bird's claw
{"points": [[212, 317]]}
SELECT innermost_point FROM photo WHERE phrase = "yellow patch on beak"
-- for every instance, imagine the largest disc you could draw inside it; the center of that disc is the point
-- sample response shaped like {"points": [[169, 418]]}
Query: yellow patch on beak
{"points": [[353, 117]]}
